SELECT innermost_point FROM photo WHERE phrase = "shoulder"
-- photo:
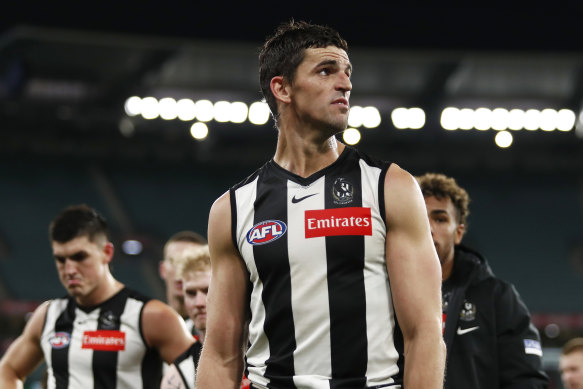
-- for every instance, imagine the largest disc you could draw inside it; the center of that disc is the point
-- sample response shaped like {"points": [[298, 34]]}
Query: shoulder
{"points": [[403, 198], [220, 216], [222, 204], [157, 310], [35, 324], [159, 322], [399, 179]]}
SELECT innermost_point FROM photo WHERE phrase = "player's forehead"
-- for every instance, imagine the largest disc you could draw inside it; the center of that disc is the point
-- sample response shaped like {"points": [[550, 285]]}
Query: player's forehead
{"points": [[177, 247], [75, 245], [328, 53], [199, 278]]}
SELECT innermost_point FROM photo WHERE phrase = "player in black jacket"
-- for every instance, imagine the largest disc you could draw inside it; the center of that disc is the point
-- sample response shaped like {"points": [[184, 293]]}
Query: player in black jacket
{"points": [[491, 342]]}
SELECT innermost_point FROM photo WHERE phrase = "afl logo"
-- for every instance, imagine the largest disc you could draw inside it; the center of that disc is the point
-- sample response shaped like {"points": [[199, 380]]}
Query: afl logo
{"points": [[266, 232], [60, 340]]}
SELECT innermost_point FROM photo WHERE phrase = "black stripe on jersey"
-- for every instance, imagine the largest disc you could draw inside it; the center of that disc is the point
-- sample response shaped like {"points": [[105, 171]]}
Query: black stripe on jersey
{"points": [[60, 357], [346, 289], [272, 264], [105, 362]]}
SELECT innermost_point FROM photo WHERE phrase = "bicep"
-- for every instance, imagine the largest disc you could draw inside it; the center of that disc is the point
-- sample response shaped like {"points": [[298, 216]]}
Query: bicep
{"points": [[412, 262], [165, 330], [227, 298]]}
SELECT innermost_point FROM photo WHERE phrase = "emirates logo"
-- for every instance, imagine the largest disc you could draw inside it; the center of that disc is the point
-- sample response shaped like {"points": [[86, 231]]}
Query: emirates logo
{"points": [[338, 221], [104, 340]]}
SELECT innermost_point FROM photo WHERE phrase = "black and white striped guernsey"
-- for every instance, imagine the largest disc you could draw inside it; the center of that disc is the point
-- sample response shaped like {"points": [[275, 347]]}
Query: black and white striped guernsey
{"points": [[100, 347], [321, 306]]}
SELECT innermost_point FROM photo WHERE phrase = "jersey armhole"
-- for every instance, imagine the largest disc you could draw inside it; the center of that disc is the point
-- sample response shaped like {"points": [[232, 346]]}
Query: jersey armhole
{"points": [[382, 205], [233, 201]]}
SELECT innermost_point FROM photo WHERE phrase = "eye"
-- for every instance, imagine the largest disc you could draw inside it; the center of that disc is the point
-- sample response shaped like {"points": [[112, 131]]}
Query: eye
{"points": [[324, 71], [59, 259], [78, 257]]}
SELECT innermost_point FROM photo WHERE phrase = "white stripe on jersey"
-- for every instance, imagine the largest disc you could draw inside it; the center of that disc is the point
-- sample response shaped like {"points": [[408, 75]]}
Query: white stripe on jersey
{"points": [[309, 282], [378, 294], [80, 360], [127, 368]]}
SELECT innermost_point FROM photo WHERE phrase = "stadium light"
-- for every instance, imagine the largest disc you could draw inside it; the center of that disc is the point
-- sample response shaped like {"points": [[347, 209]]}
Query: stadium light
{"points": [[133, 106], [167, 108], [503, 139], [351, 136], [186, 109], [199, 131], [259, 113]]}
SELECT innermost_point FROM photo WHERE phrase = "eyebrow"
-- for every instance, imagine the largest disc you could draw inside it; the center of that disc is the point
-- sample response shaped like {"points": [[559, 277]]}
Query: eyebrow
{"points": [[333, 62], [439, 212], [77, 256]]}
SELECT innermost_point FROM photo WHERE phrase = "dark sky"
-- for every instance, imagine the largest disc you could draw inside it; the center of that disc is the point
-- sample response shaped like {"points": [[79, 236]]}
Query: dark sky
{"points": [[510, 25]]}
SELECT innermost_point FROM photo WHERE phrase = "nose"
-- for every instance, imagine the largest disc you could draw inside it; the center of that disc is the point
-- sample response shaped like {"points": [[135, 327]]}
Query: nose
{"points": [[200, 299], [344, 83], [70, 266]]}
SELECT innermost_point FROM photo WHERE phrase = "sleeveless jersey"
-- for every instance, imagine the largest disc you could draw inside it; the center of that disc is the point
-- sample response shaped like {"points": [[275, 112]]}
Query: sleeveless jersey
{"points": [[100, 347], [320, 301]]}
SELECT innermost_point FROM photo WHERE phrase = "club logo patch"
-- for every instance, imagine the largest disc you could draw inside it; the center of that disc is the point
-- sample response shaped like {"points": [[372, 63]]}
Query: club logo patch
{"points": [[342, 191], [468, 312], [104, 340], [108, 321], [338, 221], [266, 232], [60, 340]]}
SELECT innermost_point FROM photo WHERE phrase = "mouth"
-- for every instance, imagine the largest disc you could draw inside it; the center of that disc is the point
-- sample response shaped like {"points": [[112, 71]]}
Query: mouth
{"points": [[343, 102], [73, 282]]}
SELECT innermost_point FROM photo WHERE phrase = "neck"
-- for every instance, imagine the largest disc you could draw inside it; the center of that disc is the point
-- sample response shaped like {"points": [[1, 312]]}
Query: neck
{"points": [[304, 154], [107, 289]]}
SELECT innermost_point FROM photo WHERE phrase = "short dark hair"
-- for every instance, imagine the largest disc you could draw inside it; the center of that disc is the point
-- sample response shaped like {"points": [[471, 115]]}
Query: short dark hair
{"points": [[283, 52], [76, 221], [442, 187]]}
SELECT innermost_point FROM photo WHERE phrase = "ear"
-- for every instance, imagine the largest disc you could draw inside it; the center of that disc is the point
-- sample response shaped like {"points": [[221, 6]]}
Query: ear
{"points": [[108, 251], [280, 89], [460, 230], [162, 269]]}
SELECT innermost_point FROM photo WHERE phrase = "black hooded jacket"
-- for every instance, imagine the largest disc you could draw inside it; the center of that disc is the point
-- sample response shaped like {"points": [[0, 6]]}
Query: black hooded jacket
{"points": [[491, 342]]}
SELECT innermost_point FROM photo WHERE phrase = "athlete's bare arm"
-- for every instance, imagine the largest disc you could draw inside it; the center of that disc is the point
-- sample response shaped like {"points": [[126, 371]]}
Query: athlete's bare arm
{"points": [[415, 277], [25, 353], [221, 361], [165, 330]]}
